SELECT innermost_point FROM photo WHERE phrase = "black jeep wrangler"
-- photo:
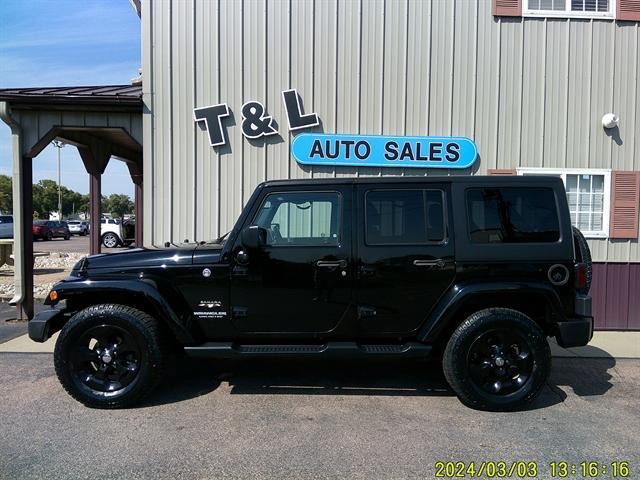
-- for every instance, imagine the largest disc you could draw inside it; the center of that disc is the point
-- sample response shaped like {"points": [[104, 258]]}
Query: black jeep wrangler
{"points": [[478, 271]]}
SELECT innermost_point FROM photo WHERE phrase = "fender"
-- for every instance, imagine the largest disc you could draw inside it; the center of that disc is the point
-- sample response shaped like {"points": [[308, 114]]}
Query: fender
{"points": [[147, 289], [455, 299]]}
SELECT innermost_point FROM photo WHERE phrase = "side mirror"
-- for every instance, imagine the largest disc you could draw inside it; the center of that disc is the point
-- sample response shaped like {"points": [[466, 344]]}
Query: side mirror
{"points": [[253, 237]]}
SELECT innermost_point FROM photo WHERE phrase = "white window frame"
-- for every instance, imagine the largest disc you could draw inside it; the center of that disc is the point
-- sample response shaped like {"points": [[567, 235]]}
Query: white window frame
{"points": [[568, 13], [563, 172]]}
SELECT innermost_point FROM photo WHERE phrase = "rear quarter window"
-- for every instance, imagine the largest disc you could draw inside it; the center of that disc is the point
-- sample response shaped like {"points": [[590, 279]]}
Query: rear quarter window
{"points": [[512, 215]]}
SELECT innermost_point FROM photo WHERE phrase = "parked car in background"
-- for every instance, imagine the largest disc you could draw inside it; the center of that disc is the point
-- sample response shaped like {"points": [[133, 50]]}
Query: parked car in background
{"points": [[6, 226], [114, 232], [50, 229], [76, 227]]}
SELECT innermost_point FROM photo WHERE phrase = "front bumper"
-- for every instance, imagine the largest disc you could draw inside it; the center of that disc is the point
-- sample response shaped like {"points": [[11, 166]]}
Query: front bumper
{"points": [[45, 323]]}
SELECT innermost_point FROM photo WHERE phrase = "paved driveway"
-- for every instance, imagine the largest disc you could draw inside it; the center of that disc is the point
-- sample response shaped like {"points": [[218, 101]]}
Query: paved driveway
{"points": [[76, 244], [309, 420]]}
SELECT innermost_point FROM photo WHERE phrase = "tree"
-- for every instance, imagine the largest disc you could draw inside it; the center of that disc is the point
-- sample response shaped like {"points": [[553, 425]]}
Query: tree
{"points": [[6, 194], [117, 204]]}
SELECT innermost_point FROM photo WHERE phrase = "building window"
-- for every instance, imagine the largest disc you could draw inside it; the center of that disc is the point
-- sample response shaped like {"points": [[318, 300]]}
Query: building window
{"points": [[569, 8], [588, 195]]}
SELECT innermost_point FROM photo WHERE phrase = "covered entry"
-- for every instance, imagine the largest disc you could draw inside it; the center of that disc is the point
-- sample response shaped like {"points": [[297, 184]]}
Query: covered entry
{"points": [[101, 122]]}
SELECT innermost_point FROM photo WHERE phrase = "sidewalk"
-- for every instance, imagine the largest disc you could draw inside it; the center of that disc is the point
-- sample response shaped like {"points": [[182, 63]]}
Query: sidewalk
{"points": [[603, 345]]}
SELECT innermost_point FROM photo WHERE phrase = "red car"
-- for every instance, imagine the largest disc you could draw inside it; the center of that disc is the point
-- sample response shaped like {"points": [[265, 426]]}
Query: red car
{"points": [[49, 229]]}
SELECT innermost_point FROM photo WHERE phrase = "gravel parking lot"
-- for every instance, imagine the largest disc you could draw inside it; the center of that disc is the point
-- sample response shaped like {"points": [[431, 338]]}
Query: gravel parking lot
{"points": [[309, 420]]}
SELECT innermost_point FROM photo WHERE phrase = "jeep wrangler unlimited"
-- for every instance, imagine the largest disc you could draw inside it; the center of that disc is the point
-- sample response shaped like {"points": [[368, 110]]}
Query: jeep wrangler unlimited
{"points": [[476, 270]]}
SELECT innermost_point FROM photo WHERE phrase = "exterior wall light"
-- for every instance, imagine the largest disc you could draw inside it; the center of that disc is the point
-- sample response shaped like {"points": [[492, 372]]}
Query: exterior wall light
{"points": [[610, 120]]}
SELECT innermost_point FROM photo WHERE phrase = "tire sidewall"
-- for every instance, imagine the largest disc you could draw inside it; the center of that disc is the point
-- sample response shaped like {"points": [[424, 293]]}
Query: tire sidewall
{"points": [[457, 351]]}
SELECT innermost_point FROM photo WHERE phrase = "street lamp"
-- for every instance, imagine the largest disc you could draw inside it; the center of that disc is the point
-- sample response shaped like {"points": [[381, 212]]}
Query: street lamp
{"points": [[58, 144]]}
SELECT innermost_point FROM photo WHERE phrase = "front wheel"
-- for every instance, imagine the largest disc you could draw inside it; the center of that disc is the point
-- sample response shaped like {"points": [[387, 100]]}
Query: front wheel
{"points": [[497, 359], [110, 240], [109, 356]]}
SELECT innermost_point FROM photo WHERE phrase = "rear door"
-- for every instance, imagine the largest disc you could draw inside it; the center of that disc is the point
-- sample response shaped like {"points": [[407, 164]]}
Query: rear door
{"points": [[405, 256]]}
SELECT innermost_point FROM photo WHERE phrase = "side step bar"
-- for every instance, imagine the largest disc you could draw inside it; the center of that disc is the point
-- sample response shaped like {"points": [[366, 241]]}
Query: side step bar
{"points": [[327, 350]]}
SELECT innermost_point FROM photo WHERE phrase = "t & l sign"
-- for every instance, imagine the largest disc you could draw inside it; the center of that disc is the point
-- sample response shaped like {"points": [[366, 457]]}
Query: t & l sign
{"points": [[335, 149]]}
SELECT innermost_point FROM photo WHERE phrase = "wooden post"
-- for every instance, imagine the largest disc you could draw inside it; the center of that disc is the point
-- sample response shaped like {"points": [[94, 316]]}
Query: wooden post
{"points": [[95, 195]]}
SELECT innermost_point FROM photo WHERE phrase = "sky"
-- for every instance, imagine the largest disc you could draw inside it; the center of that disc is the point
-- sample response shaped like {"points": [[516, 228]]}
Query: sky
{"points": [[50, 43]]}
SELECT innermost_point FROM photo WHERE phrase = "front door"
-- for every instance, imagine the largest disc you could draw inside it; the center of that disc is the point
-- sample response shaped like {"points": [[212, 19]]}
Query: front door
{"points": [[300, 282], [405, 256]]}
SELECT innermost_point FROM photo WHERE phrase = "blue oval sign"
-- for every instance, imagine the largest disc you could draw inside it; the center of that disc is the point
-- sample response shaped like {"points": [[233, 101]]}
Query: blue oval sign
{"points": [[383, 151]]}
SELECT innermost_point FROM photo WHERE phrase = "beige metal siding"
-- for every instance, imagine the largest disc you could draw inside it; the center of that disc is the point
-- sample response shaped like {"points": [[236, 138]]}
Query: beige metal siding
{"points": [[529, 92]]}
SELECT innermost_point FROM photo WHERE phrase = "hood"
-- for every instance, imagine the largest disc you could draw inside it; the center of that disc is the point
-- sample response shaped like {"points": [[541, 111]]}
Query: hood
{"points": [[142, 257]]}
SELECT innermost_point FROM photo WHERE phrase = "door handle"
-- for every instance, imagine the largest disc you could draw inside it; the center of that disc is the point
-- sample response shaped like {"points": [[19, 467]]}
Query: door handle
{"points": [[439, 263], [331, 263]]}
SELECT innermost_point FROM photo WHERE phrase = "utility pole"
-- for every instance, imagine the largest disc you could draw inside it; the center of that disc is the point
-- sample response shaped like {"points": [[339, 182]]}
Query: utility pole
{"points": [[58, 144]]}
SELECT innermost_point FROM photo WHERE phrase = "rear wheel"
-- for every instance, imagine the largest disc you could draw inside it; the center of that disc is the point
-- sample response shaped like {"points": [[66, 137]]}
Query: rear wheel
{"points": [[109, 356], [49, 236], [497, 359]]}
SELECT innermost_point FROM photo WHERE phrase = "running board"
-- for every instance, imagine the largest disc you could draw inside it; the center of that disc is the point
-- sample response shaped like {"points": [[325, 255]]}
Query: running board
{"points": [[327, 350]]}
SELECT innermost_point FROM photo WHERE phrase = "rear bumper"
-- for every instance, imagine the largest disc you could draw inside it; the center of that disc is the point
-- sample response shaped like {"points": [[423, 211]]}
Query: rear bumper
{"points": [[45, 324], [577, 332]]}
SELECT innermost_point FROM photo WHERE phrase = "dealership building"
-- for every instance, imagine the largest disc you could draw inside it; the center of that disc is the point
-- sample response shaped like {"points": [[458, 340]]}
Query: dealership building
{"points": [[235, 93]]}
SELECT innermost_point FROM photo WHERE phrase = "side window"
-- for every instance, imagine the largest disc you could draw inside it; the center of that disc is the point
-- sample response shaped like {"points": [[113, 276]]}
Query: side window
{"points": [[512, 215], [301, 218], [400, 217]]}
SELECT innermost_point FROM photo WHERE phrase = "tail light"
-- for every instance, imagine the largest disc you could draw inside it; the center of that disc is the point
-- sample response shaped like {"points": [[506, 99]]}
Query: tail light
{"points": [[581, 275]]}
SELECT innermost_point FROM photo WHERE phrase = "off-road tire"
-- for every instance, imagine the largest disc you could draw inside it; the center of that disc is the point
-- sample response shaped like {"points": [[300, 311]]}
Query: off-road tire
{"points": [[455, 365], [583, 255], [140, 325]]}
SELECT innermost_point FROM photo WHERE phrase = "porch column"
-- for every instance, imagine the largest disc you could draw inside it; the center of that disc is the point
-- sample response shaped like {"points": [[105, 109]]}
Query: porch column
{"points": [[138, 212], [23, 218], [95, 159], [95, 195], [24, 308], [136, 177]]}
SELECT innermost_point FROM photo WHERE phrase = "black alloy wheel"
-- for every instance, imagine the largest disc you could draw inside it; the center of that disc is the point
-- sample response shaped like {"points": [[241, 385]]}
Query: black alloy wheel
{"points": [[497, 359], [49, 235], [500, 361], [105, 358], [109, 356]]}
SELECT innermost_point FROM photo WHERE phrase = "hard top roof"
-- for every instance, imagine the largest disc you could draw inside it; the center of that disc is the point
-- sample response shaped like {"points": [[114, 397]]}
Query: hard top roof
{"points": [[469, 179]]}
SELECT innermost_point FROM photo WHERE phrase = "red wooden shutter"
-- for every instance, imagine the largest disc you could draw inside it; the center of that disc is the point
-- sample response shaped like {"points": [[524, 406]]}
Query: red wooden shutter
{"points": [[625, 203], [628, 10], [502, 171], [512, 8]]}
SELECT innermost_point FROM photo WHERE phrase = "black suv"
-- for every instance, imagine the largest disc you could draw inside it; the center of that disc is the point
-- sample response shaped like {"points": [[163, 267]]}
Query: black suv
{"points": [[478, 271]]}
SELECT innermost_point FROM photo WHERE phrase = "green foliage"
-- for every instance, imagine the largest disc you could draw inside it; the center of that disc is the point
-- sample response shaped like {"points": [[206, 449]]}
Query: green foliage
{"points": [[117, 204], [45, 200], [6, 194]]}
